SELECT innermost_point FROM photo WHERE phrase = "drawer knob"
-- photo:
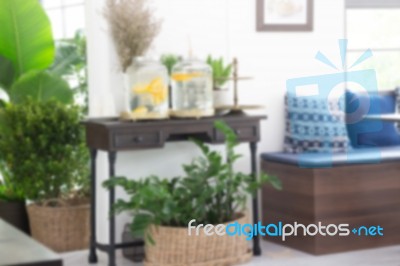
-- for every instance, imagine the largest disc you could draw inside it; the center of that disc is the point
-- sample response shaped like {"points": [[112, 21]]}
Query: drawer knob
{"points": [[138, 139]]}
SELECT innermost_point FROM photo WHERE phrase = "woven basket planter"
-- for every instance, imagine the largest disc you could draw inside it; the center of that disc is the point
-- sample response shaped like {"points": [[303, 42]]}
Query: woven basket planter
{"points": [[15, 214], [60, 228], [174, 247]]}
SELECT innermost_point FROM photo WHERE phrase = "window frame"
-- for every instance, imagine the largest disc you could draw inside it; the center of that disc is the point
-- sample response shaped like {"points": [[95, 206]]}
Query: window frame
{"points": [[62, 7]]}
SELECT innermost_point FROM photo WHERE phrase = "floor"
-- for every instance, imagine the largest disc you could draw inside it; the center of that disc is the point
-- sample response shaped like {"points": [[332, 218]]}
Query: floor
{"points": [[275, 255]]}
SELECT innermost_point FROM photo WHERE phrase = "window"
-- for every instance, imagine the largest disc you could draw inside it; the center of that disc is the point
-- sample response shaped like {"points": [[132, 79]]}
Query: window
{"points": [[66, 16], [373, 24], [67, 19]]}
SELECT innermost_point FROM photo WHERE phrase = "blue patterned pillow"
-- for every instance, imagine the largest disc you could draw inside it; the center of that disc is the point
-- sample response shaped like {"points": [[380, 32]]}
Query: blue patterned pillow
{"points": [[315, 124]]}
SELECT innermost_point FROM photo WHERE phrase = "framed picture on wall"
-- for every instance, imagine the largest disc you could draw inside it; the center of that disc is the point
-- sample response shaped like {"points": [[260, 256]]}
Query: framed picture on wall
{"points": [[284, 15]]}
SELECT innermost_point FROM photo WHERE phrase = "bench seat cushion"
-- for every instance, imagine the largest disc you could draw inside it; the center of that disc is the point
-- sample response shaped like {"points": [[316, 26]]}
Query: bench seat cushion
{"points": [[322, 160]]}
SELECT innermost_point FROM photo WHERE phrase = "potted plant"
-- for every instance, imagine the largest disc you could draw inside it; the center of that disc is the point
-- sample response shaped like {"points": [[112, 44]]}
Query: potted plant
{"points": [[211, 192], [12, 202], [169, 61], [221, 74], [42, 146]]}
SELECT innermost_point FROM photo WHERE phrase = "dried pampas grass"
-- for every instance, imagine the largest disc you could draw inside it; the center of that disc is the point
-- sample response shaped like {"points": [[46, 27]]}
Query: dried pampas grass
{"points": [[132, 27]]}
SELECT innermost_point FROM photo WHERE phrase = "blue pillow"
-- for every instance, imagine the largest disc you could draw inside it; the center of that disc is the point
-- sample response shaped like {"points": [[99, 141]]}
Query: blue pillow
{"points": [[315, 124], [365, 133]]}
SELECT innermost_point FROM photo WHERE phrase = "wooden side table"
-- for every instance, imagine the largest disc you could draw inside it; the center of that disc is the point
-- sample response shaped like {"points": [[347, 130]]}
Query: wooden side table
{"points": [[112, 136]]}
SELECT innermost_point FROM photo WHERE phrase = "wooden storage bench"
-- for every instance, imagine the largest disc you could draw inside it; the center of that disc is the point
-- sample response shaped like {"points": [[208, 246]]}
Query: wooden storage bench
{"points": [[361, 189]]}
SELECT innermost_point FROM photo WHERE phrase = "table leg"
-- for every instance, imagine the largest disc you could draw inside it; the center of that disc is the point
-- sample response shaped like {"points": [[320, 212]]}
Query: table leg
{"points": [[254, 172], [92, 252], [112, 156]]}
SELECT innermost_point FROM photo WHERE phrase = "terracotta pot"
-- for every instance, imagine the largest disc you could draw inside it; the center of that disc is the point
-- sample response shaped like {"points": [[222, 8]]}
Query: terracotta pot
{"points": [[174, 246], [15, 214], [60, 228]]}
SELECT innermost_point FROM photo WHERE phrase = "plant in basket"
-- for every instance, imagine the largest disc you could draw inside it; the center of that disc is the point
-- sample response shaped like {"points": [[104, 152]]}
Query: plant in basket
{"points": [[42, 147], [211, 192]]}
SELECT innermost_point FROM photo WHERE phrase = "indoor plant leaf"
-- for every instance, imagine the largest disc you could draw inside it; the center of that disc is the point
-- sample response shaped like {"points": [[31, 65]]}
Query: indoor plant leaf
{"points": [[66, 57], [25, 34], [6, 73], [40, 86]]}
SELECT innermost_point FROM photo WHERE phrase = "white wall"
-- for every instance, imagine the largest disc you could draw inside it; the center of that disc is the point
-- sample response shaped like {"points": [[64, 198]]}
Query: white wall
{"points": [[219, 27]]}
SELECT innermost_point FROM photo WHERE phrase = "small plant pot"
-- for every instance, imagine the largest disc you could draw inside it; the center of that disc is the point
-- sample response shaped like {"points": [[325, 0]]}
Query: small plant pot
{"points": [[15, 214], [173, 246], [60, 228], [222, 97]]}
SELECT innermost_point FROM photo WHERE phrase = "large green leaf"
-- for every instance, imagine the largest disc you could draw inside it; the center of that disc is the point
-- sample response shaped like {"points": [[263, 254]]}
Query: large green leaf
{"points": [[25, 34], [40, 86], [6, 73]]}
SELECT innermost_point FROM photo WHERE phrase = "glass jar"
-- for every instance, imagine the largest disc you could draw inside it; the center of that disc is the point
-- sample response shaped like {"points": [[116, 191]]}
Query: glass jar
{"points": [[192, 93], [147, 94]]}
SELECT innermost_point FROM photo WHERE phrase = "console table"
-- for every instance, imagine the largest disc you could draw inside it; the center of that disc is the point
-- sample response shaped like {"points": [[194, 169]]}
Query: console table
{"points": [[112, 135]]}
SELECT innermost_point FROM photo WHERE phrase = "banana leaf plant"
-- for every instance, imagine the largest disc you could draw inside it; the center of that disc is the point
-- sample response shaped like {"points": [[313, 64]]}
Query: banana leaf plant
{"points": [[26, 52]]}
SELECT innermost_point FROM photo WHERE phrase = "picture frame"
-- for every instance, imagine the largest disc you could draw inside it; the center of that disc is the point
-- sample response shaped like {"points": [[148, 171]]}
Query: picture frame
{"points": [[284, 15]]}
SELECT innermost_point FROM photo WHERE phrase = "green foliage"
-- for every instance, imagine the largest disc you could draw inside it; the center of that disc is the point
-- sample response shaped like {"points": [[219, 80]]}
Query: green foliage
{"points": [[70, 63], [169, 61], [31, 85], [42, 147], [211, 191], [221, 72], [26, 51], [9, 192], [6, 73], [25, 34]]}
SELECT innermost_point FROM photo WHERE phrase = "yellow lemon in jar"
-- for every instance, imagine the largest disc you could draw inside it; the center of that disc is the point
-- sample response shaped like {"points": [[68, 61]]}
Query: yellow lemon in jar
{"points": [[158, 91], [185, 76], [139, 88], [140, 110]]}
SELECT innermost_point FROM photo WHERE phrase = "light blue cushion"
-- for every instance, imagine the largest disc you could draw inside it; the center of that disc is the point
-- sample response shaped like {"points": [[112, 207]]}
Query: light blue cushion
{"points": [[315, 124]]}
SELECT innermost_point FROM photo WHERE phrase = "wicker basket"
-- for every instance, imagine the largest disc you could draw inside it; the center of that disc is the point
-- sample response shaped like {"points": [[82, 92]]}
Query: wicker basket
{"points": [[174, 247], [60, 228]]}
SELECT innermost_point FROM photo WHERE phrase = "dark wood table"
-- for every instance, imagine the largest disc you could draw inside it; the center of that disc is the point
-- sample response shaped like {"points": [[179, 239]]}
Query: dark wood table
{"points": [[112, 136], [18, 249]]}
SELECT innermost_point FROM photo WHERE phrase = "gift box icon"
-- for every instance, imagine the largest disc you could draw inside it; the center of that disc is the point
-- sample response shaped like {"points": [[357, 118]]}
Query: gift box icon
{"points": [[316, 114]]}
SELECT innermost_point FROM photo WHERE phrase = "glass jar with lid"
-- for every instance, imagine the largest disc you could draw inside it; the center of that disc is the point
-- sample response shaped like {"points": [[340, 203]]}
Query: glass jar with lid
{"points": [[192, 94], [147, 94]]}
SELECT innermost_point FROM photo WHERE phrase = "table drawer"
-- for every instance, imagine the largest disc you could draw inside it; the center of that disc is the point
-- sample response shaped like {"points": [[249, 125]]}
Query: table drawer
{"points": [[243, 133], [145, 139]]}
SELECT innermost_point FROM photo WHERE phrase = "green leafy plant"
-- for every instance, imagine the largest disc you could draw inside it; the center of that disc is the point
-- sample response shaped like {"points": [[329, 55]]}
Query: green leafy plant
{"points": [[211, 191], [9, 192], [221, 72], [169, 61], [42, 148], [70, 63], [26, 52]]}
